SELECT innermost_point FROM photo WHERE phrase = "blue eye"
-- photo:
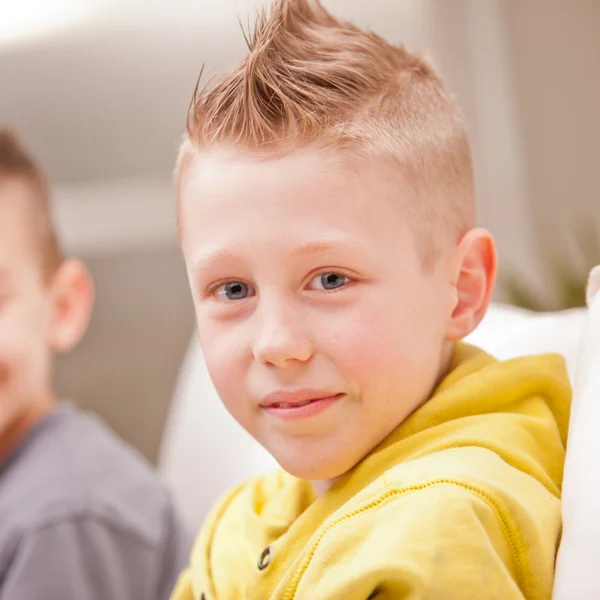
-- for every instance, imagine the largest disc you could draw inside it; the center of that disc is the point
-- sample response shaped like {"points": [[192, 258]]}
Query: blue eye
{"points": [[234, 290], [329, 281]]}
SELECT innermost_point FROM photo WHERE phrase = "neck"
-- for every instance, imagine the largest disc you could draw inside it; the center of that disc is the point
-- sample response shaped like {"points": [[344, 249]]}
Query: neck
{"points": [[323, 485], [18, 426]]}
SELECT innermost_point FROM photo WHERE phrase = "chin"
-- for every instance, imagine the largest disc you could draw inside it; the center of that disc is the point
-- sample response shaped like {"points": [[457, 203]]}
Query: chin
{"points": [[312, 468]]}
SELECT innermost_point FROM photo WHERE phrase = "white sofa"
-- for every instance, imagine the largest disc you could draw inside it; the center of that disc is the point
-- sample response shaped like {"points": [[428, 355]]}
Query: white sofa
{"points": [[204, 451]]}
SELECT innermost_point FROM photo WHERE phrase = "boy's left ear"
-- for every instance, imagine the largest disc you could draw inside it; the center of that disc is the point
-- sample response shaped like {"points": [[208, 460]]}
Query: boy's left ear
{"points": [[473, 277], [72, 298]]}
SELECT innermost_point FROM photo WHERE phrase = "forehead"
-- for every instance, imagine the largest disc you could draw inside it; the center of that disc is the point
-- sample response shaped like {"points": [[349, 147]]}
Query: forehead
{"points": [[226, 176], [290, 195]]}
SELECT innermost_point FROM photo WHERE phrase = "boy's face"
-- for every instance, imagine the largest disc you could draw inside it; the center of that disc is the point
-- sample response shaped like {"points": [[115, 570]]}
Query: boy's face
{"points": [[24, 307], [37, 317], [307, 285]]}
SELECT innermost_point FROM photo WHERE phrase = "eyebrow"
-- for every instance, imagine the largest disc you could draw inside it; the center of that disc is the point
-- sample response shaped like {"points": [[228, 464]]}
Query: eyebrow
{"points": [[324, 246], [210, 257]]}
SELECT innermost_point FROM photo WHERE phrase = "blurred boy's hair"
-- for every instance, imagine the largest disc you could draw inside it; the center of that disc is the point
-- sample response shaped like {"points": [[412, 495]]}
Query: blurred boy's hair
{"points": [[17, 164], [313, 80]]}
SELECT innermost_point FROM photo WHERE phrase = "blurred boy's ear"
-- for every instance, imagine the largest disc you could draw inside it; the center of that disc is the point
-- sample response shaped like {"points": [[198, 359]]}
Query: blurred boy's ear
{"points": [[72, 298], [473, 278]]}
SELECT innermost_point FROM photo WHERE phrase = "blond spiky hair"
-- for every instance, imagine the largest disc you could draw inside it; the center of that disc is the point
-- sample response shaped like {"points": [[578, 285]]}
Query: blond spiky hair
{"points": [[311, 79]]}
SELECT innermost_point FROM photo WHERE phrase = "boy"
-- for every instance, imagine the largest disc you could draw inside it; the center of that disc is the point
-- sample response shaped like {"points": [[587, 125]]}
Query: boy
{"points": [[327, 220], [82, 516]]}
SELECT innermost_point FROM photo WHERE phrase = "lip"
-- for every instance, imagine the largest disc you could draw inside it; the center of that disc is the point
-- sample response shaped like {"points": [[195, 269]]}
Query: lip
{"points": [[299, 404]]}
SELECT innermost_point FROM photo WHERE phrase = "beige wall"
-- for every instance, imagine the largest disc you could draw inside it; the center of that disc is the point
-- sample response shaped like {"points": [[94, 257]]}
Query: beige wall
{"points": [[554, 50], [127, 365], [527, 75]]}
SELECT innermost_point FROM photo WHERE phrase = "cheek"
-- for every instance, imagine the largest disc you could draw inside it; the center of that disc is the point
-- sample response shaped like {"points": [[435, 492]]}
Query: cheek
{"points": [[365, 340], [12, 351], [386, 345], [24, 358], [23, 371], [12, 367], [226, 360]]}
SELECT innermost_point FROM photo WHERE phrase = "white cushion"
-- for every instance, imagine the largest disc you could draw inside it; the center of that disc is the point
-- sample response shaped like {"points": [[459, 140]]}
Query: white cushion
{"points": [[507, 332], [577, 572]]}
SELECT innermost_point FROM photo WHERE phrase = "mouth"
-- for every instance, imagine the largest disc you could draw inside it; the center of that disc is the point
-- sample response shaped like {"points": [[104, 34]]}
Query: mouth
{"points": [[296, 404], [300, 404]]}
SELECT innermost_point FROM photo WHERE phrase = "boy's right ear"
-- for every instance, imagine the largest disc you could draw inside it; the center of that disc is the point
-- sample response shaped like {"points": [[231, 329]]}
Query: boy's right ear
{"points": [[473, 279], [72, 299]]}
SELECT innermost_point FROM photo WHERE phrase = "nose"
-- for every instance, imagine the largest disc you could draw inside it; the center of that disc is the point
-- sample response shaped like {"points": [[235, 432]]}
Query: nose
{"points": [[281, 337]]}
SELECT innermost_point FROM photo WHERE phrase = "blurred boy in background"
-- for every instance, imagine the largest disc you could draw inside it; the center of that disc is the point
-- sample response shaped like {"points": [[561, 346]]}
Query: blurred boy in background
{"points": [[82, 515]]}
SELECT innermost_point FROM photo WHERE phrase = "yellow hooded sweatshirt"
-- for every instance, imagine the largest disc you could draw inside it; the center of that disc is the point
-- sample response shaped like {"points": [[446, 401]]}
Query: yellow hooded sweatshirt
{"points": [[460, 502]]}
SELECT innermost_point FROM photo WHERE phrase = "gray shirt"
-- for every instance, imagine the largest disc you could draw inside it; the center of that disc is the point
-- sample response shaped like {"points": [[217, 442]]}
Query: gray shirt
{"points": [[83, 517]]}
